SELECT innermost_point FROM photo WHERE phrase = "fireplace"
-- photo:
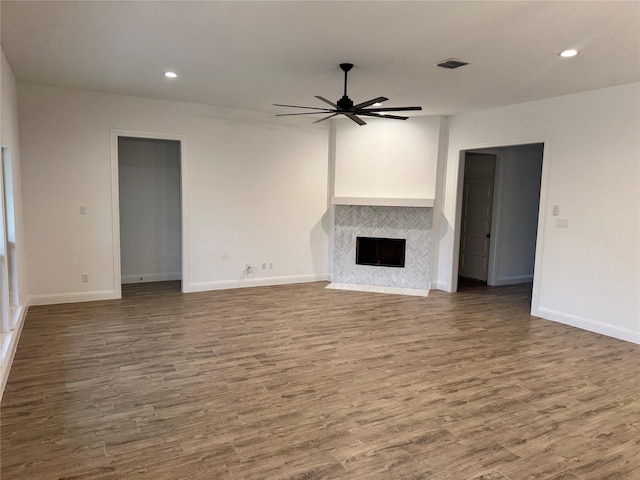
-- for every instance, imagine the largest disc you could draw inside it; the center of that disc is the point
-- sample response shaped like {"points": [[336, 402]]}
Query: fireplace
{"points": [[362, 230], [380, 252]]}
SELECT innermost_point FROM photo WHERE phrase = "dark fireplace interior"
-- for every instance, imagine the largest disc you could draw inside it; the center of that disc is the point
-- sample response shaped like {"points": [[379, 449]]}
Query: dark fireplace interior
{"points": [[382, 252]]}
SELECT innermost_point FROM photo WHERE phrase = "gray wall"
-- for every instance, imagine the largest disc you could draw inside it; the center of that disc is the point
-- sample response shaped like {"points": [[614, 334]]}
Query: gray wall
{"points": [[150, 231], [518, 189]]}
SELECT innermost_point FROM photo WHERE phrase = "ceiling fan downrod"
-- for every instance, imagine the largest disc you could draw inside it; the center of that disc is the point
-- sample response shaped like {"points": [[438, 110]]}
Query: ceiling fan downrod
{"points": [[345, 102]]}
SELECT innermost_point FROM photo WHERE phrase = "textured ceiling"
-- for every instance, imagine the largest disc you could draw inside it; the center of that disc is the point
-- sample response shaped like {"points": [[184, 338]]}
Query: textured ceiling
{"points": [[248, 55]]}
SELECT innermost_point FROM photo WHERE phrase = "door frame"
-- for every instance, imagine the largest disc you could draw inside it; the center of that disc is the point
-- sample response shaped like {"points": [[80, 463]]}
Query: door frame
{"points": [[457, 208], [115, 202]]}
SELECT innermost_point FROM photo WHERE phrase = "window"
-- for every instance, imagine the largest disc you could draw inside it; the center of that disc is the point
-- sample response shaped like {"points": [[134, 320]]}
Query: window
{"points": [[8, 261]]}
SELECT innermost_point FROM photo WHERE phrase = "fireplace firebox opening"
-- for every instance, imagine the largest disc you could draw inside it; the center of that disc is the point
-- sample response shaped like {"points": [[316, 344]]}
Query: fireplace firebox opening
{"points": [[380, 252]]}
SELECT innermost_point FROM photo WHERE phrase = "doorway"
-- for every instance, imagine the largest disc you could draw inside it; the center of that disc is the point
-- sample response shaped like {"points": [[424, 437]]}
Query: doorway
{"points": [[150, 210], [477, 210], [499, 214]]}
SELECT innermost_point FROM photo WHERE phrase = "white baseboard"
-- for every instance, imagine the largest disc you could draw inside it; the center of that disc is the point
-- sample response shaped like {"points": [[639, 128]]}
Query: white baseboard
{"points": [[151, 277], [438, 285], [253, 282], [512, 280], [587, 324], [12, 346], [72, 297]]}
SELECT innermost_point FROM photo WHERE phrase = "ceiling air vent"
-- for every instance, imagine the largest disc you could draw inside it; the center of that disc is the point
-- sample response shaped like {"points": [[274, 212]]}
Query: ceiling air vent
{"points": [[451, 63]]}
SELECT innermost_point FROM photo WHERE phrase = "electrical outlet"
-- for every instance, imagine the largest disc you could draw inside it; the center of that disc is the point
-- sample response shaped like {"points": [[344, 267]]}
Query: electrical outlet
{"points": [[83, 210], [270, 265], [556, 210], [85, 277], [264, 265]]}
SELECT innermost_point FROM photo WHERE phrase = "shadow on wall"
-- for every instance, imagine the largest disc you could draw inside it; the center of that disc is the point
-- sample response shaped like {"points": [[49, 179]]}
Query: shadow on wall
{"points": [[318, 243]]}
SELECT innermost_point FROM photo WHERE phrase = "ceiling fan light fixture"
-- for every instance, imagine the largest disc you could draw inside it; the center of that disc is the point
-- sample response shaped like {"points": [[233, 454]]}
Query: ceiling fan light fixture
{"points": [[171, 74], [377, 104]]}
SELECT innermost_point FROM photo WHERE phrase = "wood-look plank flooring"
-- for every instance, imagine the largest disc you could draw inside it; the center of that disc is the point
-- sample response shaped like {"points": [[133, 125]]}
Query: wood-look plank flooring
{"points": [[299, 382]]}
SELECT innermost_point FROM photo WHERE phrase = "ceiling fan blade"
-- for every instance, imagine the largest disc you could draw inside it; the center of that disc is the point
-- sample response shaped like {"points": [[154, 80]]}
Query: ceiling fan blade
{"points": [[392, 109], [303, 113], [298, 106], [353, 117], [326, 101], [372, 114], [345, 106], [325, 118], [370, 102]]}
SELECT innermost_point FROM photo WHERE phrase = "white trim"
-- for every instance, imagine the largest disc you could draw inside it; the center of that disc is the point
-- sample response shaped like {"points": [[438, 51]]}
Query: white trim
{"points": [[437, 214], [331, 190], [115, 201], [542, 209], [73, 297], [9, 350], [115, 213], [383, 202], [15, 312], [150, 277], [457, 223], [417, 292], [253, 282], [496, 220], [452, 284], [607, 329]]}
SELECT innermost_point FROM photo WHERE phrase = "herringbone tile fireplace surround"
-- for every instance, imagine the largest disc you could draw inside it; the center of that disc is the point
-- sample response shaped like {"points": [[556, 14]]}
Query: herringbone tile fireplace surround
{"points": [[411, 223]]}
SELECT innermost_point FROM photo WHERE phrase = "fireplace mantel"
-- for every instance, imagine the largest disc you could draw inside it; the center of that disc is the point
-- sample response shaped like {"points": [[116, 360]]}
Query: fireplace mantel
{"points": [[383, 202]]}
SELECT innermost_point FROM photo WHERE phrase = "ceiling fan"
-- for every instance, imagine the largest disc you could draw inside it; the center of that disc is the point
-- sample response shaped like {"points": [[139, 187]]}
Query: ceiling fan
{"points": [[345, 106]]}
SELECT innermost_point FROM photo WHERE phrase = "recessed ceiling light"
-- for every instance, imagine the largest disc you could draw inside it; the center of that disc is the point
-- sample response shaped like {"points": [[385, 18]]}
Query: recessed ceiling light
{"points": [[569, 53], [170, 74]]}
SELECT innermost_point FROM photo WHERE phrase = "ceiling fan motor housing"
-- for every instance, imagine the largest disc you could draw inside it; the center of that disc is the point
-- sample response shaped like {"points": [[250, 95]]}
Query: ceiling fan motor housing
{"points": [[345, 103]]}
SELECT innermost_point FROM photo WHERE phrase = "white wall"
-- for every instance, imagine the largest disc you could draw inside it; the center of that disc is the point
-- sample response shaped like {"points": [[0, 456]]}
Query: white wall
{"points": [[256, 191], [150, 223], [9, 133], [586, 275], [387, 158]]}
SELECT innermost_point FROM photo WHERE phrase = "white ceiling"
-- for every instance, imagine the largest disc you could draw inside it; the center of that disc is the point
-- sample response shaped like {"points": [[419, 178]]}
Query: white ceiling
{"points": [[249, 55]]}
